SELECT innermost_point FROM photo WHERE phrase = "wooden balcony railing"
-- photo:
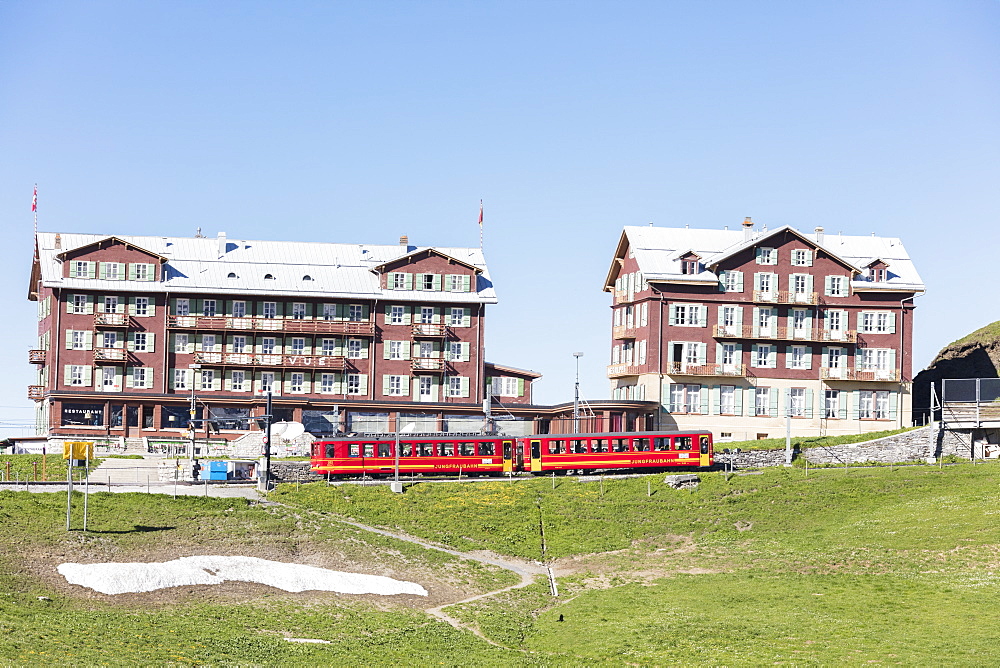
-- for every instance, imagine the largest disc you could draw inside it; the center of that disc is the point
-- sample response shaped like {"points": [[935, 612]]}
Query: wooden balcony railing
{"points": [[111, 320], [109, 355], [681, 369], [336, 363], [36, 392], [785, 297], [427, 364], [621, 370], [877, 375], [785, 333], [623, 332], [424, 329], [359, 328], [36, 356]]}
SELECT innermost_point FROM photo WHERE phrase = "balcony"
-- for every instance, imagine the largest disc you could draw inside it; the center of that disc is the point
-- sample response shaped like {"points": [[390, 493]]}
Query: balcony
{"points": [[785, 333], [622, 370], [427, 364], [785, 297], [425, 330], [291, 361], [109, 355], [623, 332], [36, 356], [681, 369], [876, 375], [36, 392], [358, 328], [111, 320]]}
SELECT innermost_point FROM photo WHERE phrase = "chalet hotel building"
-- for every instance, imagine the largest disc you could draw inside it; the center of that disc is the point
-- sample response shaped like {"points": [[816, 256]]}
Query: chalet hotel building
{"points": [[735, 330], [347, 337]]}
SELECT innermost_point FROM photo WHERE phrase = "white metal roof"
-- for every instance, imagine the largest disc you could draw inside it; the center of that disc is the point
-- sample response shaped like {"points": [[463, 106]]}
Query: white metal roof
{"points": [[203, 265], [657, 249]]}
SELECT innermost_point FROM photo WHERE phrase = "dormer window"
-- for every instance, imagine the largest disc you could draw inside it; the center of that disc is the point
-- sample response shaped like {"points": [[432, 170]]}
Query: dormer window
{"points": [[268, 277], [231, 275], [689, 266], [802, 258], [879, 275], [767, 255], [307, 277]]}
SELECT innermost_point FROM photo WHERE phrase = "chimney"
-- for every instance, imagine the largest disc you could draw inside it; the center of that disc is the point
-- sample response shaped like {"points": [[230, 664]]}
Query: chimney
{"points": [[819, 235], [58, 240], [222, 244], [404, 240], [747, 229]]}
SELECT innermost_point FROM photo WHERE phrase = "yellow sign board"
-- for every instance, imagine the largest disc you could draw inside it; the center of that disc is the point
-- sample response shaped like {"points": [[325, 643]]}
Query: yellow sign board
{"points": [[78, 450]]}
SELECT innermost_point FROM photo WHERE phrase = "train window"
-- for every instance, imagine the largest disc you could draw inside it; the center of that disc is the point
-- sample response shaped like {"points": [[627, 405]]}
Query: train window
{"points": [[704, 445], [555, 447], [467, 449], [405, 449], [641, 444], [578, 445], [355, 450], [330, 449], [447, 449], [384, 450], [487, 448], [619, 444], [599, 445], [369, 449], [661, 444], [426, 449], [683, 443]]}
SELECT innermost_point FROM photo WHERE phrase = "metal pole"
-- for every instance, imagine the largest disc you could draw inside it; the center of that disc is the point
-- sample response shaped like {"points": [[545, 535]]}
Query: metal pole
{"points": [[576, 395], [69, 485], [788, 433], [267, 445], [86, 489], [192, 411], [395, 477]]}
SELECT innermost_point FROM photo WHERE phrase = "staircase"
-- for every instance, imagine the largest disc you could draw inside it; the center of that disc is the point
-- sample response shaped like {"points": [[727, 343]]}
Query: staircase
{"points": [[136, 446]]}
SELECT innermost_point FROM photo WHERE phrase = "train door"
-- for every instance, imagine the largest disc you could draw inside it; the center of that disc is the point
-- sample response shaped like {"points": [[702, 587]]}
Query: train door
{"points": [[508, 456], [536, 455], [705, 450]]}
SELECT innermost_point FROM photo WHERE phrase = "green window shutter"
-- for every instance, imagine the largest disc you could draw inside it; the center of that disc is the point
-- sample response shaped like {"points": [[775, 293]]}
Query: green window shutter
{"points": [[130, 272], [756, 322], [828, 286], [892, 360], [388, 313], [404, 386], [702, 353], [366, 311], [750, 403], [88, 340], [774, 320], [738, 401], [753, 354], [788, 357], [809, 258], [809, 282], [739, 316], [69, 339], [130, 378], [704, 400], [716, 400], [773, 409], [437, 315], [703, 315], [466, 316], [893, 405], [809, 403], [463, 384], [520, 387], [102, 270], [365, 349], [152, 305], [390, 280], [756, 255], [196, 306], [672, 314], [892, 323], [825, 357], [739, 281], [720, 319], [809, 357], [150, 342], [772, 358], [91, 270], [407, 315], [69, 303], [722, 281], [436, 282], [88, 376], [197, 343], [408, 282], [465, 351], [385, 385], [217, 381], [842, 404], [855, 404], [90, 305], [363, 383], [406, 350], [489, 382], [385, 351], [130, 341], [466, 287]]}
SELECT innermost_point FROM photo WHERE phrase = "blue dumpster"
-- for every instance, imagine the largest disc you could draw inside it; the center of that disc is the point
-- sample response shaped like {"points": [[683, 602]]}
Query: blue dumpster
{"points": [[218, 470]]}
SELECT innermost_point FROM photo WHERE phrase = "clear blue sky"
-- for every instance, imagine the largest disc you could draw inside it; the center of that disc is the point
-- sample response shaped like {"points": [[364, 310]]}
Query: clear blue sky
{"points": [[362, 121]]}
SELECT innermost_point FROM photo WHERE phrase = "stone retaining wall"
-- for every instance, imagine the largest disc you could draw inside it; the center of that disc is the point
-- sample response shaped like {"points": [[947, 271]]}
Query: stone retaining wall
{"points": [[292, 471]]}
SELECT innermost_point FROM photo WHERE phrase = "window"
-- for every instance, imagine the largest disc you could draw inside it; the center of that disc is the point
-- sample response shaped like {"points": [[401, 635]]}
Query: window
{"points": [[354, 383], [800, 318], [141, 306], [685, 398], [180, 379], [802, 258], [765, 282], [875, 359], [108, 375], [208, 308], [395, 386], [180, 343], [113, 271], [355, 312], [425, 349], [396, 350], [764, 320], [270, 309], [506, 386], [881, 405], [882, 323], [689, 266], [834, 321], [239, 379], [426, 281], [866, 405], [800, 283], [732, 281], [762, 401], [267, 345], [797, 402], [140, 376], [727, 400], [687, 315], [207, 379], [79, 303], [239, 309], [799, 357], [455, 351], [354, 349], [456, 283], [298, 311], [183, 307], [76, 375], [77, 340], [329, 311], [326, 383], [140, 342], [79, 269], [298, 346], [239, 344], [729, 316], [298, 382], [426, 314], [728, 354], [329, 346], [111, 304], [836, 286], [456, 317], [396, 315], [142, 272], [693, 398], [208, 343], [835, 358], [397, 281], [831, 404], [767, 256], [878, 322], [267, 381], [454, 386], [762, 358], [425, 387], [109, 339]]}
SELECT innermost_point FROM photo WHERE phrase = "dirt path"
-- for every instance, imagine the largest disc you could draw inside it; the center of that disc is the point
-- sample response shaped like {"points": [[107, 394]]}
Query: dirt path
{"points": [[525, 569]]}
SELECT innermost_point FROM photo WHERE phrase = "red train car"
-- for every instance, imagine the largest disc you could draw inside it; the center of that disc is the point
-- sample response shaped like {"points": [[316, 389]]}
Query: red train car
{"points": [[495, 455]]}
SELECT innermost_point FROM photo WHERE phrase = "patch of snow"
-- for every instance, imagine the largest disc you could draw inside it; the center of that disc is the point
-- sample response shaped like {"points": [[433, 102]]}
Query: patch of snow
{"points": [[125, 578]]}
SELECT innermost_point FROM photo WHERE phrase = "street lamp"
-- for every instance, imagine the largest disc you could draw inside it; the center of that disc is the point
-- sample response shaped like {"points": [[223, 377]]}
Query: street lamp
{"points": [[194, 409], [576, 396]]}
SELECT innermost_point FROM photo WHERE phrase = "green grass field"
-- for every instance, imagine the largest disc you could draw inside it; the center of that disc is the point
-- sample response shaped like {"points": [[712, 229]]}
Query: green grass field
{"points": [[834, 567]]}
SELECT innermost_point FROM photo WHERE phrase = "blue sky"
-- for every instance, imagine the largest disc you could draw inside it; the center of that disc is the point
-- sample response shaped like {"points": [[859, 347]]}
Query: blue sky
{"points": [[362, 121]]}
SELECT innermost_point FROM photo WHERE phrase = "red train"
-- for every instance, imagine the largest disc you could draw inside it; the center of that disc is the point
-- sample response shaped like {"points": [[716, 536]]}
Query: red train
{"points": [[495, 455]]}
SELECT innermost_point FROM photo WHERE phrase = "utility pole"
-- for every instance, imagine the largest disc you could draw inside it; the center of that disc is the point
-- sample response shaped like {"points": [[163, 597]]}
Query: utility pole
{"points": [[576, 396], [193, 411]]}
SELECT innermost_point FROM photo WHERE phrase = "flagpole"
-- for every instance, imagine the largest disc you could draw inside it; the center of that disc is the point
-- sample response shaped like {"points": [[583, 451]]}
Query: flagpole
{"points": [[34, 208], [480, 224]]}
